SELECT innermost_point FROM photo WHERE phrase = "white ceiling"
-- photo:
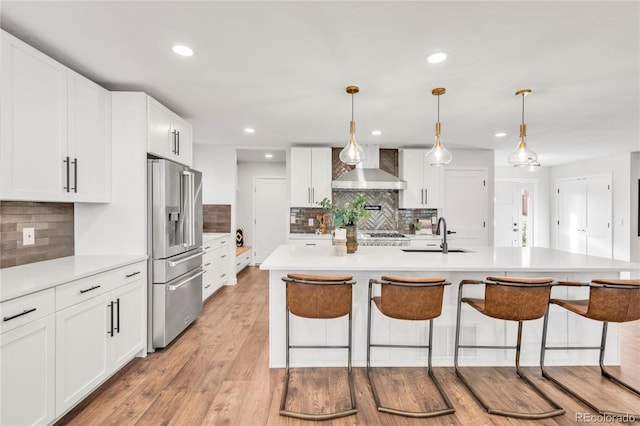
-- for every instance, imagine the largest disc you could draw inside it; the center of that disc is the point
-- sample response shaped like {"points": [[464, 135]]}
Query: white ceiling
{"points": [[282, 68]]}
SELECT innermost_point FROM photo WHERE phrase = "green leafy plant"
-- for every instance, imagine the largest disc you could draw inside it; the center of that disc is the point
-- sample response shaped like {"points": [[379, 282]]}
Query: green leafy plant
{"points": [[349, 214]]}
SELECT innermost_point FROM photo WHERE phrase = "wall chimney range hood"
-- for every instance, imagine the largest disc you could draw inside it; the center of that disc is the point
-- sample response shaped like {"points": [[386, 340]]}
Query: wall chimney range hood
{"points": [[368, 176]]}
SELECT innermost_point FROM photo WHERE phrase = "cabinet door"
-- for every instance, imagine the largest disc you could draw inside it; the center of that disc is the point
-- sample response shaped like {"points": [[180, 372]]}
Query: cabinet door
{"points": [[184, 141], [81, 350], [34, 124], [161, 140], [89, 111], [320, 175], [432, 179], [27, 362], [411, 165], [129, 323], [300, 177]]}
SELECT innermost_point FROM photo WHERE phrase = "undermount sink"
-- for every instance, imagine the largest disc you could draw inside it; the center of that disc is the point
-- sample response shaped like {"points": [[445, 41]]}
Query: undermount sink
{"points": [[432, 250]]}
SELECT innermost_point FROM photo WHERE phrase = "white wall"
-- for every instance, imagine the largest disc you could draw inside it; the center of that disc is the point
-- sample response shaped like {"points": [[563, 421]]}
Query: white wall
{"points": [[620, 168], [541, 198], [218, 166], [247, 171]]}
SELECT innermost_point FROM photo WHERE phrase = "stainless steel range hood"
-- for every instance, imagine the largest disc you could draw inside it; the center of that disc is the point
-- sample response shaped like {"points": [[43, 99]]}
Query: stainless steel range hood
{"points": [[368, 176]]}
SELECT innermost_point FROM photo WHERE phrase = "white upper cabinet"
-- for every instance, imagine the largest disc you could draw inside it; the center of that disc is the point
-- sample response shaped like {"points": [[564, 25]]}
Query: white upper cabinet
{"points": [[169, 135], [310, 176], [424, 182], [55, 142]]}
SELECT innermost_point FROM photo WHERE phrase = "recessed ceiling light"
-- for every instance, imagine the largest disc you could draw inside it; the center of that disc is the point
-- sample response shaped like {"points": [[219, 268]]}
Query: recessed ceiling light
{"points": [[500, 134], [183, 50], [376, 133], [249, 130], [436, 58], [268, 156]]}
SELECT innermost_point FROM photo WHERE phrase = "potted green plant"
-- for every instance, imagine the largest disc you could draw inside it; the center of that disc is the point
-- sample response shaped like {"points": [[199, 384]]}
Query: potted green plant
{"points": [[348, 217]]}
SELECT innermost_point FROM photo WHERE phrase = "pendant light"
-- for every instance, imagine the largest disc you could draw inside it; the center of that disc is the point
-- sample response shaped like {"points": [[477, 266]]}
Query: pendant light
{"points": [[523, 156], [438, 155], [352, 153]]}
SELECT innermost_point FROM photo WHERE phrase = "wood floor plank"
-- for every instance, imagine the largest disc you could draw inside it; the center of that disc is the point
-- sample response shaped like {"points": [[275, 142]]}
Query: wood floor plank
{"points": [[217, 373]]}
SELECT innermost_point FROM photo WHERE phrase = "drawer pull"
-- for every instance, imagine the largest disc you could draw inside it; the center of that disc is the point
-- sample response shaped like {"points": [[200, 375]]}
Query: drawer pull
{"points": [[25, 312], [207, 264], [238, 264], [223, 275], [223, 242], [310, 244], [90, 289], [132, 274], [207, 247], [223, 256], [207, 286]]}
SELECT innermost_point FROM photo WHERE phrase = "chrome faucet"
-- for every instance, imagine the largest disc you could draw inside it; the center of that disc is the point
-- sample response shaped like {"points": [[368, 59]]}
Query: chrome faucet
{"points": [[444, 245]]}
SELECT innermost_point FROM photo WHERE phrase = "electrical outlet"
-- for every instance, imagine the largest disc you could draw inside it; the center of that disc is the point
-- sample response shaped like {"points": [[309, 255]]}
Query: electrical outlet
{"points": [[292, 219], [28, 236], [311, 222]]}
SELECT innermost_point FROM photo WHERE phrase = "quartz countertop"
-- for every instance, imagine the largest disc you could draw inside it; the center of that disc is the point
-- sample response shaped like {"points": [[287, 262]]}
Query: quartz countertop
{"points": [[207, 236], [367, 258], [18, 281]]}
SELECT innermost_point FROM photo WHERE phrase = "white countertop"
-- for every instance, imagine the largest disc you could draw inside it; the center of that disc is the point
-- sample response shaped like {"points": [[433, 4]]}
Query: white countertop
{"points": [[367, 258], [208, 236], [21, 280]]}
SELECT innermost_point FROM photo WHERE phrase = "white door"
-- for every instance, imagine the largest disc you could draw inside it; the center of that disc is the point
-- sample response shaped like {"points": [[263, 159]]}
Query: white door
{"points": [[506, 211], [599, 215], [466, 207], [572, 216], [270, 214]]}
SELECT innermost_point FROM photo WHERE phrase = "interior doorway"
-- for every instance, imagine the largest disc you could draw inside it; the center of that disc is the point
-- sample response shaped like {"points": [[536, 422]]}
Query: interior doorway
{"points": [[513, 211], [270, 215]]}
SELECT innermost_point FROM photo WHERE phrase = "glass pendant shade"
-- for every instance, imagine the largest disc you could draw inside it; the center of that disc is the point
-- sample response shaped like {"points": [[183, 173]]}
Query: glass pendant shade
{"points": [[438, 155], [353, 153], [523, 156]]}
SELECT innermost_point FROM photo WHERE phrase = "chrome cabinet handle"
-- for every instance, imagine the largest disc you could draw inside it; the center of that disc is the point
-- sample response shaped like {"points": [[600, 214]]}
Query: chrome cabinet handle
{"points": [[25, 312]]}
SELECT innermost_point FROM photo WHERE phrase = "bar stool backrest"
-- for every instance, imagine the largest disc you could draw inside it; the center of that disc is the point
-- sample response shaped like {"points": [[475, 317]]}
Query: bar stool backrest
{"points": [[516, 299], [614, 300], [319, 296], [411, 301]]}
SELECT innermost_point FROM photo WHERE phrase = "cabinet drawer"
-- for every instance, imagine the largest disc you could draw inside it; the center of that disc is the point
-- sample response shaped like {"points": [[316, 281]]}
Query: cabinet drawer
{"points": [[85, 289], [25, 309], [215, 258]]}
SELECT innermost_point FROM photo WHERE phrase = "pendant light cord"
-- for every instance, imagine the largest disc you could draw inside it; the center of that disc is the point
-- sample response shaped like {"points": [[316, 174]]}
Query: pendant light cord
{"points": [[523, 108], [438, 108], [352, 107]]}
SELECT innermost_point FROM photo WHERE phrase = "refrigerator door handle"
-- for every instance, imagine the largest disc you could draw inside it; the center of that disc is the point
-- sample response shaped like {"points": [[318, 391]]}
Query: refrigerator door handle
{"points": [[189, 229], [181, 283], [184, 259]]}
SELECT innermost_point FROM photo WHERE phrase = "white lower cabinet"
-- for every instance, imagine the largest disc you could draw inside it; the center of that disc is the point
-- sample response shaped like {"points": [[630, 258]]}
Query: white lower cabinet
{"points": [[243, 259], [215, 261], [95, 337], [28, 373]]}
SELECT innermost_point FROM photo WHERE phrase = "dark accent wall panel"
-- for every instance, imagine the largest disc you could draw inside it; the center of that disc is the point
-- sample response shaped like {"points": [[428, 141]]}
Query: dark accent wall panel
{"points": [[216, 218], [53, 225]]}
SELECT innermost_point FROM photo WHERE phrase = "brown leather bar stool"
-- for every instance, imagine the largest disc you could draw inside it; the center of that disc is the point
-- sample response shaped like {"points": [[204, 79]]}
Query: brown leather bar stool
{"points": [[323, 297], [609, 301], [413, 299], [512, 299]]}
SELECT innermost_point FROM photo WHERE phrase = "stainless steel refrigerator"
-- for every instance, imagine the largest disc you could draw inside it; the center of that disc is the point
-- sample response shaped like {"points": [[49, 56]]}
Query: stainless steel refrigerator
{"points": [[174, 245]]}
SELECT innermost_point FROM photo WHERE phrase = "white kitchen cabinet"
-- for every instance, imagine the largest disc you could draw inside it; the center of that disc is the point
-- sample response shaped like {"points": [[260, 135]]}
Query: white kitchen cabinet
{"points": [[216, 263], [55, 142], [466, 208], [311, 242], [169, 136], [243, 258], [27, 360], [99, 332], [425, 241], [310, 176], [424, 182]]}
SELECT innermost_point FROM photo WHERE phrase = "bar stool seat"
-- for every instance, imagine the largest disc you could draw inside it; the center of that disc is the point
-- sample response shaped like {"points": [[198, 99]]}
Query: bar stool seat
{"points": [[318, 297], [413, 299], [610, 300], [514, 299]]}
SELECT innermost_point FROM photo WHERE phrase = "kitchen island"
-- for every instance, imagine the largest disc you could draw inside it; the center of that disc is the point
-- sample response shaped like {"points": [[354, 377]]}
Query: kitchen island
{"points": [[477, 263]]}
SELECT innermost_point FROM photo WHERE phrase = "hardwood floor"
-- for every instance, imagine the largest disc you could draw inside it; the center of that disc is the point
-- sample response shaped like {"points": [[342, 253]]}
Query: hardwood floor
{"points": [[217, 373]]}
